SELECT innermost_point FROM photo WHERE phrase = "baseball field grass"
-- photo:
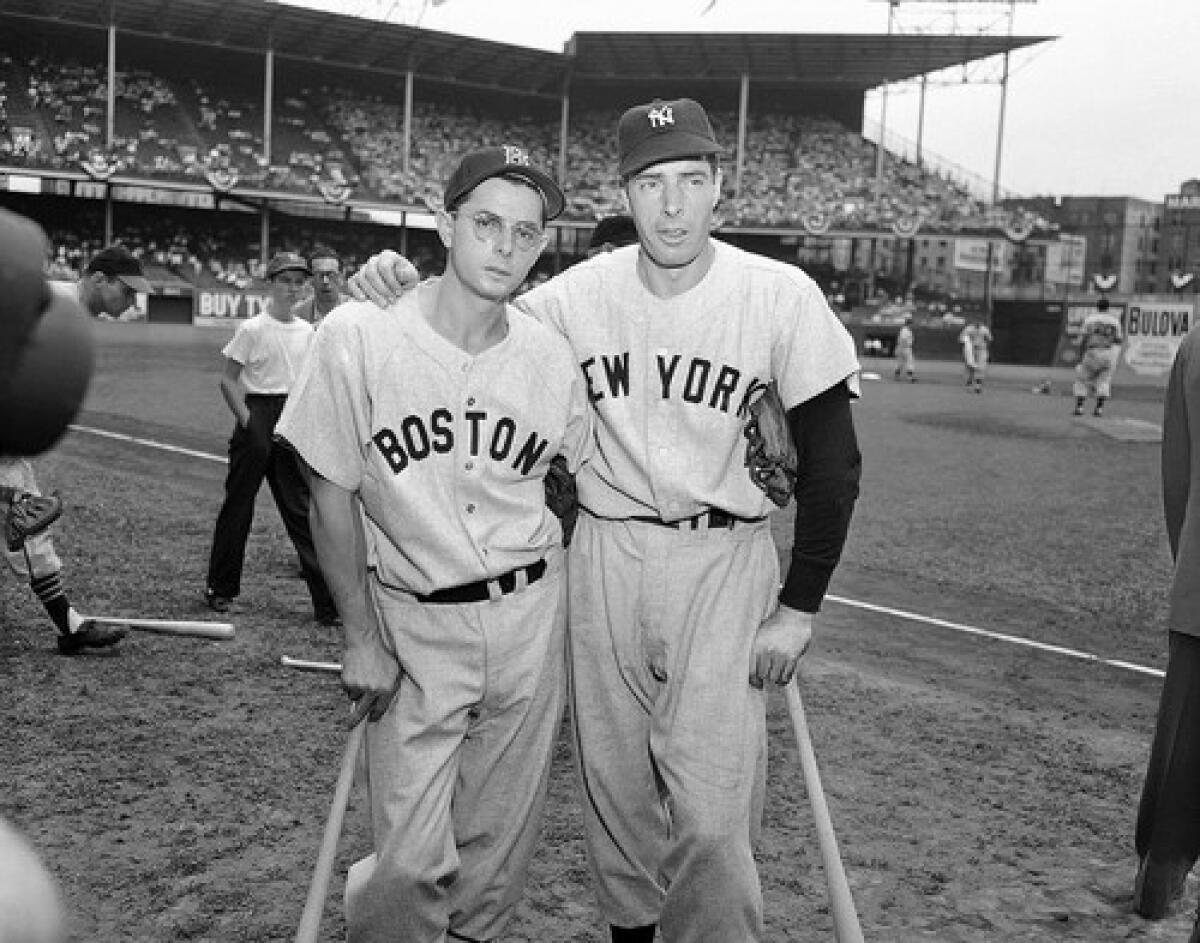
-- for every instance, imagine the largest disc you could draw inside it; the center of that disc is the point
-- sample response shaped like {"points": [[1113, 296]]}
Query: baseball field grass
{"points": [[982, 789]]}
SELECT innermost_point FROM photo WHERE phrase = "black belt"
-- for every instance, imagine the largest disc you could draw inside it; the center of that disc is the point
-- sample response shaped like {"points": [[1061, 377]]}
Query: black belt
{"points": [[715, 518], [265, 397], [477, 592]]}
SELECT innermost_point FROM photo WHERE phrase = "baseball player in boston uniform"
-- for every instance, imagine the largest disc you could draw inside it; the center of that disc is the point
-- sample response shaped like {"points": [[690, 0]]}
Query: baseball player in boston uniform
{"points": [[676, 619], [429, 431]]}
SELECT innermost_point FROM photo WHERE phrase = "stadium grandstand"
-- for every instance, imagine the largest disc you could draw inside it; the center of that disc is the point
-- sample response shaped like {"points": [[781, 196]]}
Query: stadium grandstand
{"points": [[209, 134]]}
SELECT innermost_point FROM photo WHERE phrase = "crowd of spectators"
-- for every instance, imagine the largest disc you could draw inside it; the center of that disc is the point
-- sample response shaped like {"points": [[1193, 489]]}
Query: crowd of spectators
{"points": [[801, 172]]}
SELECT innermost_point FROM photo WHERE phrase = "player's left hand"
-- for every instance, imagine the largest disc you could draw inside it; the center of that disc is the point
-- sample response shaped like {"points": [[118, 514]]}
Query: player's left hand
{"points": [[778, 645]]}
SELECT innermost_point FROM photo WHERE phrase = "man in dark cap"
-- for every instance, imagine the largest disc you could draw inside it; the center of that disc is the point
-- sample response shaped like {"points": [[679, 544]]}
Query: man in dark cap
{"points": [[111, 282]]}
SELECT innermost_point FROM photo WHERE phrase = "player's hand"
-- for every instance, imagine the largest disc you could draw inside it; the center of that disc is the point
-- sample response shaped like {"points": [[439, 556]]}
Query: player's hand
{"points": [[383, 278], [371, 677], [778, 645]]}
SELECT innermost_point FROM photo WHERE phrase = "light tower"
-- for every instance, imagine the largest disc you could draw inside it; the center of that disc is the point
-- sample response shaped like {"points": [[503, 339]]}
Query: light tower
{"points": [[955, 18]]}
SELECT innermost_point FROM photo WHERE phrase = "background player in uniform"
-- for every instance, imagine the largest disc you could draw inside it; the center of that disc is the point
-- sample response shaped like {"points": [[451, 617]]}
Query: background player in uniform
{"points": [[1099, 351], [262, 361], [327, 294], [974, 340], [428, 433], [906, 363], [676, 619], [109, 285]]}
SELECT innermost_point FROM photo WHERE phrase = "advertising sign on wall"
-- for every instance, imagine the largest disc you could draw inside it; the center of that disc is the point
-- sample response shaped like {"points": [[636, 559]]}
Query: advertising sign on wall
{"points": [[226, 308], [1153, 332]]}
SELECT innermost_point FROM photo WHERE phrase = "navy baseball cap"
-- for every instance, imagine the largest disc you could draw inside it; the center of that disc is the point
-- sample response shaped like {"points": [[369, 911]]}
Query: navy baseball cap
{"points": [[117, 261], [661, 131], [287, 262], [508, 160]]}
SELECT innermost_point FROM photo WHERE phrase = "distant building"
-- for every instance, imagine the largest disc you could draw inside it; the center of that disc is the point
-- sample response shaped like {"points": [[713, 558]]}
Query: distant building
{"points": [[1181, 241], [1123, 239]]}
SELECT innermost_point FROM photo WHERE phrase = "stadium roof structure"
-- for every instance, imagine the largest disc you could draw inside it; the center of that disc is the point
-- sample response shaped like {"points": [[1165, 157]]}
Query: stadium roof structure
{"points": [[849, 61]]}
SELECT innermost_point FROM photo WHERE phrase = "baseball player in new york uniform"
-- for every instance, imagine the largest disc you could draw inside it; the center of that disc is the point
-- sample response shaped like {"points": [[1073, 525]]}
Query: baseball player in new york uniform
{"points": [[676, 618], [1099, 351], [974, 340], [438, 423]]}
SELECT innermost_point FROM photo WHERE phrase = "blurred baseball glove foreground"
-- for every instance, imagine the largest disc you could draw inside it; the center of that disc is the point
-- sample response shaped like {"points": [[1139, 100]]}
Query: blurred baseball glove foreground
{"points": [[25, 514], [771, 456]]}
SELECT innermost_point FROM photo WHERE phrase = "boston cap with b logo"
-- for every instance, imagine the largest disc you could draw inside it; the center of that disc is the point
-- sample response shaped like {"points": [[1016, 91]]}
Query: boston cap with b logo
{"points": [[663, 130], [485, 163], [118, 262]]}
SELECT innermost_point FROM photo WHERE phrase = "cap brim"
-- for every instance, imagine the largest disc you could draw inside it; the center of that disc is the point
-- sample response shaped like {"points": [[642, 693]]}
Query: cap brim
{"points": [[137, 283], [289, 268], [552, 195], [656, 150]]}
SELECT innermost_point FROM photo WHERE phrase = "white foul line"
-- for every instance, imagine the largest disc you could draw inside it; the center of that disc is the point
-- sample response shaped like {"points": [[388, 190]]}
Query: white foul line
{"points": [[998, 636], [150, 443], [842, 600]]}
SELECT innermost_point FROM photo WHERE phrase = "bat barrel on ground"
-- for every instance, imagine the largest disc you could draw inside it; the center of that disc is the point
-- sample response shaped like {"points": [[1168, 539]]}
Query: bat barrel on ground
{"points": [[318, 889], [846, 928], [219, 631], [303, 664]]}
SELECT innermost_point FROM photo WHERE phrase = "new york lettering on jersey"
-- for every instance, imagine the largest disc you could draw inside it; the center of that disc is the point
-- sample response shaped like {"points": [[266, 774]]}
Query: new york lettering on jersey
{"points": [[683, 377]]}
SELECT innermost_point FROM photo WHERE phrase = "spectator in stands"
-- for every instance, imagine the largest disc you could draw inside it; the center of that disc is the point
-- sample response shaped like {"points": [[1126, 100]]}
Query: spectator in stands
{"points": [[327, 294]]}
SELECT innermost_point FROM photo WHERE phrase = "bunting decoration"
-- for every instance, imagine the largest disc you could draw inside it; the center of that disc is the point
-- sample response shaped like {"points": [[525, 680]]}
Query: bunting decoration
{"points": [[816, 222], [906, 226], [98, 165], [1018, 226], [335, 193], [221, 179]]}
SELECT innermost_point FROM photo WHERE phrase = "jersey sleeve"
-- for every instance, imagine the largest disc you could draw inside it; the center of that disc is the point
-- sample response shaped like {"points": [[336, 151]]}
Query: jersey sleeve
{"points": [[241, 345], [578, 440], [814, 351], [327, 417]]}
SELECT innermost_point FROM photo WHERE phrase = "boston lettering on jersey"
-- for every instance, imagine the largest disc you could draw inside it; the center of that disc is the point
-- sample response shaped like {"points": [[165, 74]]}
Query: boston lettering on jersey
{"points": [[694, 381], [416, 439]]}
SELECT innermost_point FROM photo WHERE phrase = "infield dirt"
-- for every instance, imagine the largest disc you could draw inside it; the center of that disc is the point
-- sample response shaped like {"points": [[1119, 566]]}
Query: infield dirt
{"points": [[981, 790]]}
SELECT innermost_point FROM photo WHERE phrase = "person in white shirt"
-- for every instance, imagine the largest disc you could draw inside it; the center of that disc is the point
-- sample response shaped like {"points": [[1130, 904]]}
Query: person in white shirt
{"points": [[262, 361]]}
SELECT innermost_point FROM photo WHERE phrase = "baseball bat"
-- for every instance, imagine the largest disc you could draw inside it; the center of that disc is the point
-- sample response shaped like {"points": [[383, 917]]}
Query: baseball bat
{"points": [[303, 664], [318, 889], [846, 928], [211, 630]]}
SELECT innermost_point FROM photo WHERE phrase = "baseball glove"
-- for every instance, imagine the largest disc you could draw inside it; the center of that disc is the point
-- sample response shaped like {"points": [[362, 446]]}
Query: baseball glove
{"points": [[26, 514], [562, 497], [770, 452]]}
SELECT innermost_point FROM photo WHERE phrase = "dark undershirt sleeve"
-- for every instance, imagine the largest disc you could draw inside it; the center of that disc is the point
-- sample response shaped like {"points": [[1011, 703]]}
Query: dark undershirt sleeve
{"points": [[826, 491]]}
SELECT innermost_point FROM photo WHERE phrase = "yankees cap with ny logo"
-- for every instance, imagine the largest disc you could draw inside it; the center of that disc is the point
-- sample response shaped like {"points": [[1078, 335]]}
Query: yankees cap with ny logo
{"points": [[663, 130]]}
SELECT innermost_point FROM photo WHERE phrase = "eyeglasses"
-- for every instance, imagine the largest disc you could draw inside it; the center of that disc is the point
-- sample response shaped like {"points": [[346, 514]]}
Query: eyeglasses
{"points": [[490, 228]]}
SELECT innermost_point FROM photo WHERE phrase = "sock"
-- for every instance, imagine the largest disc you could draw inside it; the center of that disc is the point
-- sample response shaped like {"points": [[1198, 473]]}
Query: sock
{"points": [[49, 589]]}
